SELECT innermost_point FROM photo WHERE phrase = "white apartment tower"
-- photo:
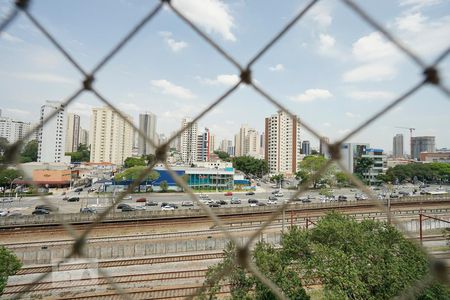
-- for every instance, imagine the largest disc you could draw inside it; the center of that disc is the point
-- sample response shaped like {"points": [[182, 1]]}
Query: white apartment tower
{"points": [[188, 141], [52, 135], [13, 130], [84, 137], [282, 142], [147, 124], [72, 133], [239, 141], [111, 137], [252, 143]]}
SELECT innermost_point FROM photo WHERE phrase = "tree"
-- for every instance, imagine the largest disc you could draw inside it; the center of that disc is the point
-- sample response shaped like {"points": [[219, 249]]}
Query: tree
{"points": [[29, 152], [3, 145], [134, 172], [251, 166], [8, 175], [342, 179], [150, 158], [82, 154], [9, 265], [222, 155], [309, 166], [278, 179], [245, 285], [134, 161], [164, 186], [363, 166]]}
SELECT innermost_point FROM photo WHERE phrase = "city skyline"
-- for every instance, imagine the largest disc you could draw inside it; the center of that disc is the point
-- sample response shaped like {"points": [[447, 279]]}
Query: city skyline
{"points": [[364, 71]]}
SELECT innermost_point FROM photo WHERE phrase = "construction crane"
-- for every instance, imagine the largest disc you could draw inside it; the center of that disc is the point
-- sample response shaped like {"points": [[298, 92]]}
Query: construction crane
{"points": [[410, 136]]}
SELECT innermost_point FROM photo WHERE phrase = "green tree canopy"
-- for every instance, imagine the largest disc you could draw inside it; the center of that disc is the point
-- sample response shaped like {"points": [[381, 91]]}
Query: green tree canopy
{"points": [[429, 172], [362, 166], [251, 166], [277, 178], [134, 172], [309, 166], [134, 161], [150, 158], [82, 154], [222, 155], [9, 265], [342, 179], [8, 175], [164, 186], [29, 152]]}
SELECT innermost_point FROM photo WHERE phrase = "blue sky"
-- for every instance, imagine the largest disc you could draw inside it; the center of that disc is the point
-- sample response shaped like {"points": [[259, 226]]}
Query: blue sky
{"points": [[332, 69]]}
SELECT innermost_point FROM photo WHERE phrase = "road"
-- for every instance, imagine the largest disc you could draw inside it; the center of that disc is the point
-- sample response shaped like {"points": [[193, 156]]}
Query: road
{"points": [[26, 205]]}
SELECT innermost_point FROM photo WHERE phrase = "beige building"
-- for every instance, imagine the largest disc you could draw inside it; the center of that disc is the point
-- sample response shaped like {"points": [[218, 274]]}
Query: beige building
{"points": [[188, 141], [282, 141], [111, 138]]}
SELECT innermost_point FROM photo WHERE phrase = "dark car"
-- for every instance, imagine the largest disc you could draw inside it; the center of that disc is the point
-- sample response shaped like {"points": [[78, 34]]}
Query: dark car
{"points": [[45, 207], [342, 198], [65, 198], [173, 205], [78, 189], [40, 212], [151, 203], [250, 193], [164, 204], [73, 199], [141, 199], [88, 210], [272, 198], [123, 205], [261, 204], [222, 202], [275, 192], [214, 204], [128, 208], [252, 201], [306, 200], [393, 196]]}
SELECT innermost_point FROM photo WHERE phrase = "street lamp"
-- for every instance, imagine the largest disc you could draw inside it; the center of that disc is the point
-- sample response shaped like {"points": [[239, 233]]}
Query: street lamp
{"points": [[10, 186]]}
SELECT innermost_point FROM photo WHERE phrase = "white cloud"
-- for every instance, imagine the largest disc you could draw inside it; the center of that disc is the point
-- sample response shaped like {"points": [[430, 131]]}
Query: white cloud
{"points": [[372, 47], [44, 77], [326, 42], [277, 68], [174, 45], [414, 22], [213, 15], [417, 4], [80, 108], [223, 79], [370, 72], [168, 88], [371, 95], [321, 14], [17, 111], [10, 38], [312, 95], [352, 115]]}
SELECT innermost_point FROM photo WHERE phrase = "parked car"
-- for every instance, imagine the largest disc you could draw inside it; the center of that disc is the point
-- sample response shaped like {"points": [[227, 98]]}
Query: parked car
{"points": [[173, 205], [306, 200], [78, 189], [235, 200], [187, 203], [123, 205], [88, 210], [14, 214], [73, 199], [261, 204], [40, 212], [65, 198], [127, 197], [273, 198], [250, 193], [128, 208], [167, 207], [252, 201], [279, 194], [404, 193], [90, 190], [151, 203], [3, 213], [221, 202], [342, 198], [214, 204], [394, 196], [139, 207], [6, 200], [270, 202], [228, 194], [275, 192], [46, 207], [141, 199]]}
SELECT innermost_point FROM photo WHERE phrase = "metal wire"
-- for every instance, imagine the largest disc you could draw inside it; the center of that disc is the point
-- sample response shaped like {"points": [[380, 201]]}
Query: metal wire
{"points": [[431, 77]]}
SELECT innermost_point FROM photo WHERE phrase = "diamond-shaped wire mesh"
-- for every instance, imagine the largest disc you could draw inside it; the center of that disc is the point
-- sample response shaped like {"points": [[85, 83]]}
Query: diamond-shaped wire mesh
{"points": [[430, 77]]}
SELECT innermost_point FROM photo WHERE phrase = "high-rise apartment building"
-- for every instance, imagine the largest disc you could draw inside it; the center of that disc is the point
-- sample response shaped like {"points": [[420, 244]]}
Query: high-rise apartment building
{"points": [[147, 124], [306, 148], [350, 152], [52, 135], [251, 143], [188, 141], [72, 133], [282, 142], [422, 144], [13, 130], [239, 141], [323, 148], [203, 145], [84, 137], [111, 137], [212, 143], [397, 149]]}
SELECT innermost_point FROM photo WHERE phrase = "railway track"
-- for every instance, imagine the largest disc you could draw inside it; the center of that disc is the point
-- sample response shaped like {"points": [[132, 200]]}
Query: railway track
{"points": [[122, 263]]}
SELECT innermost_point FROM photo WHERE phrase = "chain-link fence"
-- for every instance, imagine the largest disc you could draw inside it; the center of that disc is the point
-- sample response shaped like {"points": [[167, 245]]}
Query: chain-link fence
{"points": [[430, 77]]}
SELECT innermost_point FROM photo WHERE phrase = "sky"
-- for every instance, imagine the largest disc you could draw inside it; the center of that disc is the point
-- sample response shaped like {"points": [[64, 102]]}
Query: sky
{"points": [[331, 69]]}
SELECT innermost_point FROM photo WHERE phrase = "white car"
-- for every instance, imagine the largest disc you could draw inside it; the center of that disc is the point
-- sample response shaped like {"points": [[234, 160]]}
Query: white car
{"points": [[139, 207], [270, 202], [7, 200], [3, 213], [253, 204], [167, 207], [128, 197], [279, 194]]}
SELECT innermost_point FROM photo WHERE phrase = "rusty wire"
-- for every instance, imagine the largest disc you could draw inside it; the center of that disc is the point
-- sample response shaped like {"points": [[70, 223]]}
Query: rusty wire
{"points": [[431, 76]]}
